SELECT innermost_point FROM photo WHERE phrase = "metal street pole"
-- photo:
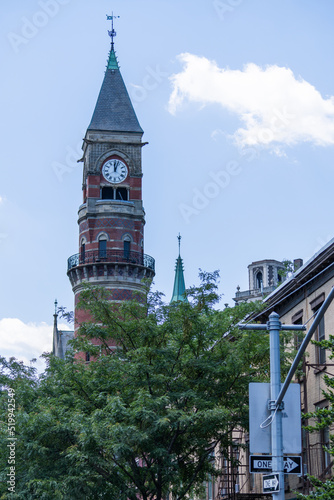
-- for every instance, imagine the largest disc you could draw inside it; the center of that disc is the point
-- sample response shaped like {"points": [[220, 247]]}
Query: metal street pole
{"points": [[274, 326]]}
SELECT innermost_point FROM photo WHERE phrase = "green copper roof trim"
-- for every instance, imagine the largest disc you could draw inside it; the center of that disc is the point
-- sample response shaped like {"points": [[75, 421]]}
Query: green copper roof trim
{"points": [[112, 62], [179, 284]]}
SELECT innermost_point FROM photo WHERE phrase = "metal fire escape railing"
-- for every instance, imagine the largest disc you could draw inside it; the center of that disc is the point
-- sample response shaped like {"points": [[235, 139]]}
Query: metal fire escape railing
{"points": [[111, 257]]}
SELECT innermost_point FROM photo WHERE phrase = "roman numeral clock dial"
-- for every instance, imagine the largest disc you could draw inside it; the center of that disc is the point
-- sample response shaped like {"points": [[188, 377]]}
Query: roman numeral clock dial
{"points": [[114, 171]]}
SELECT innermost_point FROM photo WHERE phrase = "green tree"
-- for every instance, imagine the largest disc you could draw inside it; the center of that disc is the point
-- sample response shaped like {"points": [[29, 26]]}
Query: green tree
{"points": [[289, 268], [140, 420]]}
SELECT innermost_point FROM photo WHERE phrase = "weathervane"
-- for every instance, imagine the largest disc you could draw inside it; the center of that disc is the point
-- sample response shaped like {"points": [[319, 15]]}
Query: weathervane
{"points": [[179, 238], [112, 32]]}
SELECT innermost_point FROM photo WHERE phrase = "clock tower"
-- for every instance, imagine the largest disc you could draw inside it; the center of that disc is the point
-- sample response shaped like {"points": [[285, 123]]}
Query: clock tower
{"points": [[111, 218]]}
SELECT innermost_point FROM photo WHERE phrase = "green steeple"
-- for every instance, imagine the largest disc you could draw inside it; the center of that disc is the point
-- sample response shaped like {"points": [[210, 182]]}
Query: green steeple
{"points": [[112, 61], [179, 284]]}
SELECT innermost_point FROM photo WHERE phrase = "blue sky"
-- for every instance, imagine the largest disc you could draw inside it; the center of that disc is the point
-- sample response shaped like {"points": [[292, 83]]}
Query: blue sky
{"points": [[235, 98]]}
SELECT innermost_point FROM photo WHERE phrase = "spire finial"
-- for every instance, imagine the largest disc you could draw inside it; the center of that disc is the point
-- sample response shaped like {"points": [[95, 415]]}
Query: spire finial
{"points": [[56, 307], [112, 32], [179, 238]]}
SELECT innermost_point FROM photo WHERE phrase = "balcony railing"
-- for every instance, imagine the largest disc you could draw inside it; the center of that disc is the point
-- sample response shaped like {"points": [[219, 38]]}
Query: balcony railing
{"points": [[258, 291], [110, 256]]}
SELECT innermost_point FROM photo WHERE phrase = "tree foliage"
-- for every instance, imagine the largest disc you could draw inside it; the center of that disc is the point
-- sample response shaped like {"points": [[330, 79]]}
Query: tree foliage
{"points": [[288, 269], [64, 313], [142, 419]]}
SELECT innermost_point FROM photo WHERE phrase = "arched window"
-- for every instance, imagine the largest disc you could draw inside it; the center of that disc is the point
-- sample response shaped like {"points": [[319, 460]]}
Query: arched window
{"points": [[259, 280], [127, 245], [103, 247], [83, 252]]}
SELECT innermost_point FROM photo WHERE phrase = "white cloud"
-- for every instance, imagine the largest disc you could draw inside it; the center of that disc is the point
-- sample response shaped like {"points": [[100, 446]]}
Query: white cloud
{"points": [[26, 341], [274, 106]]}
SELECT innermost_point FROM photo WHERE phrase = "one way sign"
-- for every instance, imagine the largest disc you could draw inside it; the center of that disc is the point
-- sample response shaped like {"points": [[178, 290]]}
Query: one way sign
{"points": [[262, 464], [271, 483]]}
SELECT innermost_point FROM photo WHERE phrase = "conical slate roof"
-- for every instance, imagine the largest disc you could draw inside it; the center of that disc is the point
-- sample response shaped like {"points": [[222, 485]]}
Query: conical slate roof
{"points": [[114, 111]]}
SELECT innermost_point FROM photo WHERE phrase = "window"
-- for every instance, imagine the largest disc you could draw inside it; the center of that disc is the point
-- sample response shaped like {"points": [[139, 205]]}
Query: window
{"points": [[127, 245], [297, 319], [87, 357], [102, 249], [320, 352], [110, 193], [279, 276], [211, 481], [326, 458], [305, 446], [250, 476], [324, 441], [83, 252], [259, 280], [107, 193], [121, 194], [210, 488]]}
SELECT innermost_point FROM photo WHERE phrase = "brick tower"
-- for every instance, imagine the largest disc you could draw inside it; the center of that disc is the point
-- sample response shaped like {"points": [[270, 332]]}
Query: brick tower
{"points": [[112, 218]]}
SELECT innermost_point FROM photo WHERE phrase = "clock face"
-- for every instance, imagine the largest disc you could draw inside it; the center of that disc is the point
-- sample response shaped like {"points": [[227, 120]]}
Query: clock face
{"points": [[114, 171]]}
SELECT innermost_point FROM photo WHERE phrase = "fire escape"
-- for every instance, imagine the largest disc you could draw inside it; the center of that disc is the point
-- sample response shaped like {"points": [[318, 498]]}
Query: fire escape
{"points": [[235, 481]]}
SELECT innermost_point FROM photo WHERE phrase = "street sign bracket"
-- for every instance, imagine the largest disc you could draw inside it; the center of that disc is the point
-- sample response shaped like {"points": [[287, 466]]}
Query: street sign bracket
{"points": [[272, 405]]}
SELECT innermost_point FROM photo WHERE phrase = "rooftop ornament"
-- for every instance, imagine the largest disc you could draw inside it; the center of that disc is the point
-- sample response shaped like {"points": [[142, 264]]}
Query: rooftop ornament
{"points": [[112, 33]]}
